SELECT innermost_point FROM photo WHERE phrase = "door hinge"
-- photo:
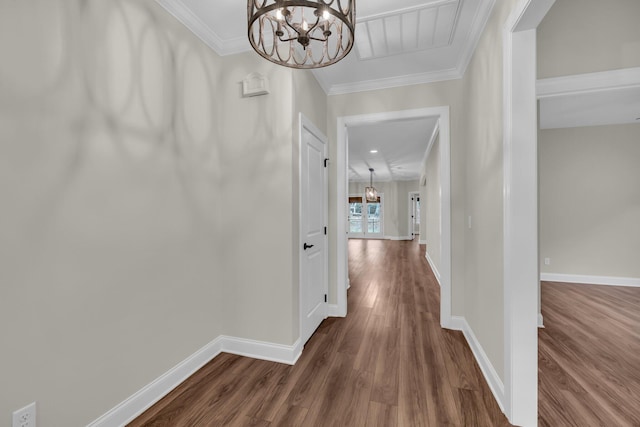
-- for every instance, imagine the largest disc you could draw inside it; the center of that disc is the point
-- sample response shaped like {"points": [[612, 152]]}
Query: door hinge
{"points": [[325, 297], [325, 162], [325, 231]]}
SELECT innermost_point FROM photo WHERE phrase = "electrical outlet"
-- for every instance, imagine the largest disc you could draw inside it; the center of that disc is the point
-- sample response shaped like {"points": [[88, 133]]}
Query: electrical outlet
{"points": [[25, 417], [547, 261]]}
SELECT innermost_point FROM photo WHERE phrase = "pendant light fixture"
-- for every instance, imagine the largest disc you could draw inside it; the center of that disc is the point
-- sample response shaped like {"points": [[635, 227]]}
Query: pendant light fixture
{"points": [[302, 33], [370, 193]]}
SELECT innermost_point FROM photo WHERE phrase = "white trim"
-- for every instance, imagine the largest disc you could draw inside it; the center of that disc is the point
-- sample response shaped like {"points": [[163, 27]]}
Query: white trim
{"points": [[411, 227], [305, 123], [224, 47], [477, 28], [136, 404], [361, 237], [434, 269], [396, 238], [389, 82], [143, 399], [432, 140], [342, 209], [334, 311], [182, 13], [632, 282], [458, 323], [490, 375], [520, 233], [422, 242], [588, 83], [280, 353], [540, 321]]}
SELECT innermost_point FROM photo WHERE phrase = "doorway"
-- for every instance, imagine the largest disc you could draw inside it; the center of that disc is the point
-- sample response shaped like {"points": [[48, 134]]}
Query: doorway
{"points": [[340, 234], [366, 218], [313, 197]]}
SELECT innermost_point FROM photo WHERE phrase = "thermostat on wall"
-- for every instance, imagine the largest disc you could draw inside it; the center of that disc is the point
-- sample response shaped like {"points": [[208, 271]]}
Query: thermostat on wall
{"points": [[255, 84]]}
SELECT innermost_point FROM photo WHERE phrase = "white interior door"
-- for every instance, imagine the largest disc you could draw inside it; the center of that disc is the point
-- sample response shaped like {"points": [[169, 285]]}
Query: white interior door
{"points": [[313, 221]]}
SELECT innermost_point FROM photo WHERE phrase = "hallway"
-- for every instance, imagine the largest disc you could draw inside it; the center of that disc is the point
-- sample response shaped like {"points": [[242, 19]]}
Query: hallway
{"points": [[388, 363]]}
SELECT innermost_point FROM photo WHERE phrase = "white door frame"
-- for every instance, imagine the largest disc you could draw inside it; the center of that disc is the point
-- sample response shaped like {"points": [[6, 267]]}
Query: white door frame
{"points": [[305, 123], [342, 208], [411, 227], [521, 277]]}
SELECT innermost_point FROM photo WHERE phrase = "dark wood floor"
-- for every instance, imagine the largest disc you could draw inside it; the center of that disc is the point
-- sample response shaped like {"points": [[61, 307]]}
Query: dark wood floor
{"points": [[388, 363], [589, 356]]}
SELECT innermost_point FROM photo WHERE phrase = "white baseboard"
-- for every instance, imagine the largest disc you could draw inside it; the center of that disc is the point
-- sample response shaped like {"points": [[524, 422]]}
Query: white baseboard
{"points": [[540, 321], [422, 242], [433, 267], [398, 237], [334, 311], [287, 354], [591, 280], [491, 376], [457, 323], [143, 399]]}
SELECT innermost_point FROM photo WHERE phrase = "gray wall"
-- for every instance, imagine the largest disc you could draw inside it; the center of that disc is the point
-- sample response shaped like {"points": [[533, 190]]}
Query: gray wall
{"points": [[482, 137], [130, 168], [586, 36], [590, 200], [589, 197]]}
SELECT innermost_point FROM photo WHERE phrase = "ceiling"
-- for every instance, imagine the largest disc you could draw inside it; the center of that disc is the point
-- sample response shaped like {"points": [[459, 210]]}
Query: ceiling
{"points": [[398, 42], [401, 147]]}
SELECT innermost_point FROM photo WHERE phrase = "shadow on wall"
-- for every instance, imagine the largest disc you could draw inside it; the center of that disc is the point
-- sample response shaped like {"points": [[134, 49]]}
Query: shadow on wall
{"points": [[109, 171], [102, 84]]}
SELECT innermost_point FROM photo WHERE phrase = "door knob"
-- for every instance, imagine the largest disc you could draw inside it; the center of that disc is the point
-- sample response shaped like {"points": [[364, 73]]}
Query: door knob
{"points": [[307, 246]]}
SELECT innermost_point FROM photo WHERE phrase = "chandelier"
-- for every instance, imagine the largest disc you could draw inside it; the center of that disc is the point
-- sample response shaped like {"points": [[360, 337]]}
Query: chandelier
{"points": [[370, 193], [302, 33]]}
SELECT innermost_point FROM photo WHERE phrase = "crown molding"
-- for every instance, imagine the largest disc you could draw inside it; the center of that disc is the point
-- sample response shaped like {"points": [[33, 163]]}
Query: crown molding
{"points": [[240, 44], [588, 83], [477, 29], [190, 20], [391, 82], [479, 23]]}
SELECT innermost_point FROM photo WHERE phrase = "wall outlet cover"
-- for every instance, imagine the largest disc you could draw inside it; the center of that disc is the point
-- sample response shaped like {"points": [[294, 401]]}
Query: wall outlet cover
{"points": [[25, 417]]}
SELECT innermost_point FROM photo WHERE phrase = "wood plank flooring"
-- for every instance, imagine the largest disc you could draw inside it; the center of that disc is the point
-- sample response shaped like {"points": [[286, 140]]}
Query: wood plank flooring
{"points": [[589, 356], [388, 363]]}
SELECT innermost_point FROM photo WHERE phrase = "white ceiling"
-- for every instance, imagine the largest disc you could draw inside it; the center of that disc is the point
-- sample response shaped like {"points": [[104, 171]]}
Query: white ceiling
{"points": [[401, 147], [398, 42]]}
